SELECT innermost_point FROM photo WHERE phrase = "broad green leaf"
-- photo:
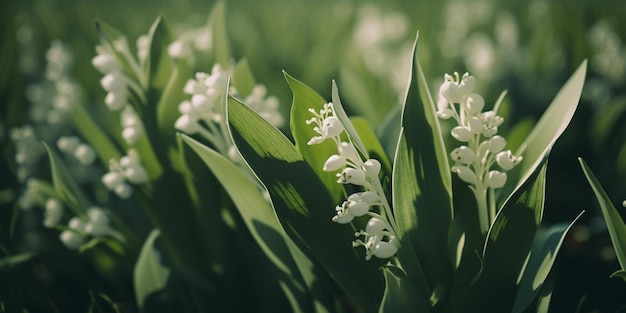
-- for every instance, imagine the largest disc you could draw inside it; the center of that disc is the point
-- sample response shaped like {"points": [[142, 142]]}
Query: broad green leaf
{"points": [[545, 296], [243, 78], [94, 135], [422, 199], [256, 212], [619, 273], [614, 222], [509, 241], [158, 66], [400, 293], [371, 143], [305, 98], [547, 130], [345, 121], [220, 37], [8, 262], [65, 186], [303, 205], [149, 274], [389, 131], [540, 261]]}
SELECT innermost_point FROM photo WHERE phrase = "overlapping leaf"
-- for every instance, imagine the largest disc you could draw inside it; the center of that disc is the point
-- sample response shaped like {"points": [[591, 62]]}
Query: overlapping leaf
{"points": [[303, 205]]}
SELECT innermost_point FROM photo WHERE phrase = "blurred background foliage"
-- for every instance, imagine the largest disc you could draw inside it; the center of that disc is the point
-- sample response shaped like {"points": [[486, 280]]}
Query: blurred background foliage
{"points": [[526, 47]]}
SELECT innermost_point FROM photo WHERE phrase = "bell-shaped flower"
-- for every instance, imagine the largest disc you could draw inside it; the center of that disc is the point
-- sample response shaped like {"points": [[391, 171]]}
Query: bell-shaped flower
{"points": [[463, 154], [136, 174], [443, 110], [113, 82], [331, 127], [84, 154], [352, 176], [334, 163], [116, 100], [474, 103], [384, 250], [348, 151], [53, 213], [475, 125], [506, 160], [461, 133], [201, 103], [105, 63], [112, 179], [187, 124], [451, 91], [496, 179], [68, 144], [372, 167], [71, 239], [465, 174], [131, 135], [123, 190], [496, 144], [466, 85], [343, 216]]}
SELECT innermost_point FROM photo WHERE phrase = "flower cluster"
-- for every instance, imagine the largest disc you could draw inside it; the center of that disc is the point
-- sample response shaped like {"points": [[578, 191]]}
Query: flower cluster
{"points": [[203, 115], [379, 237], [96, 224], [72, 145], [482, 147], [128, 170]]}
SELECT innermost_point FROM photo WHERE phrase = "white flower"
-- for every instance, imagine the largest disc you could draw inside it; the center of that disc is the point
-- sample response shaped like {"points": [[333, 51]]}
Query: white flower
{"points": [[84, 154], [112, 179], [352, 176], [105, 63], [131, 135], [116, 100], [53, 212], [463, 154], [187, 124], [496, 179], [372, 167], [328, 125], [71, 239], [496, 144], [68, 144], [465, 174], [123, 190], [474, 103], [506, 160], [113, 82], [334, 163], [461, 133]]}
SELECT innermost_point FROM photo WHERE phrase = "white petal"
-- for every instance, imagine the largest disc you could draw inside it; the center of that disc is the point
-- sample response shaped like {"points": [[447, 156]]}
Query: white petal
{"points": [[334, 163]]}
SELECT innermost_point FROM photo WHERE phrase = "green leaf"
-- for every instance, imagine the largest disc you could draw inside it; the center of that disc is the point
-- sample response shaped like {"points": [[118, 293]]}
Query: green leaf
{"points": [[547, 130], [94, 135], [422, 199], [509, 241], [371, 143], [256, 212], [619, 273], [108, 36], [220, 37], [65, 186], [345, 121], [540, 261], [149, 274], [243, 79], [10, 261], [400, 293], [303, 205], [305, 98], [614, 222], [158, 66]]}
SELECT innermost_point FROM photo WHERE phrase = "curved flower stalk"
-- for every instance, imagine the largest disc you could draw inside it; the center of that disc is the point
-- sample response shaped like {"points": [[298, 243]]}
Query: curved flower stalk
{"points": [[481, 147], [379, 236]]}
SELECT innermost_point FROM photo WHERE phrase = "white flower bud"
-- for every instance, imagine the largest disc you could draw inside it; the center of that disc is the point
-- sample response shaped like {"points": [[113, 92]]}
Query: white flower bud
{"points": [[123, 190], [496, 179], [489, 131], [506, 160], [461, 133], [331, 127], [131, 135], [187, 124], [112, 82], [368, 197], [116, 100], [68, 144], [136, 174], [375, 225], [112, 179], [85, 154], [343, 218], [465, 174], [372, 167], [193, 87], [352, 176], [105, 63], [201, 103], [348, 151], [76, 223], [475, 125], [185, 107], [496, 144], [334, 163], [97, 215], [71, 239], [384, 250], [463, 154], [178, 50], [358, 208], [451, 92], [467, 84], [474, 103]]}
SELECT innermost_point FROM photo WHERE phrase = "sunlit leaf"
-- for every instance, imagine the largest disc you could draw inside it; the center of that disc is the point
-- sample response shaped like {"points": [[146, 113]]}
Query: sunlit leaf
{"points": [[149, 275], [243, 79], [614, 222], [220, 37], [371, 143], [509, 241], [305, 98], [303, 205], [400, 294], [345, 121], [422, 199], [65, 186]]}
